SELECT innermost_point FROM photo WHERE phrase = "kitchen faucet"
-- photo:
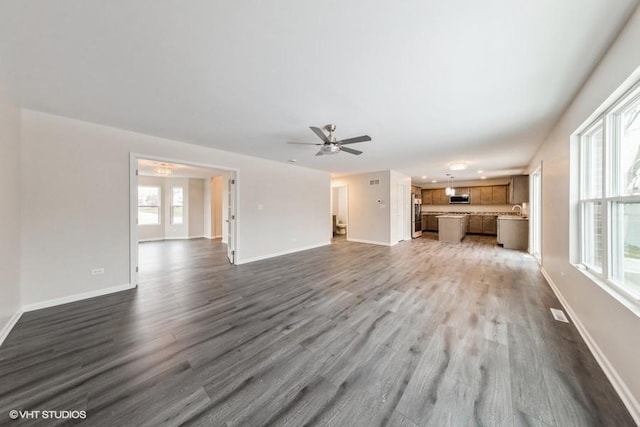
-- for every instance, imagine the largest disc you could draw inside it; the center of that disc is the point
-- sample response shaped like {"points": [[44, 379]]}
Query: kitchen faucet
{"points": [[519, 207]]}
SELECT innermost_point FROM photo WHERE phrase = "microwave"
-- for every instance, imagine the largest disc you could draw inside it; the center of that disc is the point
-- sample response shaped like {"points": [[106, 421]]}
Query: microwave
{"points": [[460, 198]]}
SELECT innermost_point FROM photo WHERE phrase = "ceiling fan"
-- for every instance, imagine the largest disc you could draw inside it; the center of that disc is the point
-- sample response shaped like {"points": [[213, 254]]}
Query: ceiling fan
{"points": [[332, 146]]}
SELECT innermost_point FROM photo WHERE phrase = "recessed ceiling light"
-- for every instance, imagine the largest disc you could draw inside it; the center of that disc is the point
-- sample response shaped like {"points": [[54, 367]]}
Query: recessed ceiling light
{"points": [[480, 171], [434, 181], [292, 160], [424, 177], [483, 177], [457, 166]]}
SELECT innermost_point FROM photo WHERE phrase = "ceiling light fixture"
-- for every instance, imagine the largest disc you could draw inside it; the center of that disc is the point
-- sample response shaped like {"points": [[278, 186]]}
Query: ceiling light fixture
{"points": [[330, 149], [483, 177], [163, 169], [434, 180], [424, 177], [457, 166], [450, 191], [480, 171]]}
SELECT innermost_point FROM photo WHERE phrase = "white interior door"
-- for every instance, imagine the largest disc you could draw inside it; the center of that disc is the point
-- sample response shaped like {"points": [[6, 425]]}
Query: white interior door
{"points": [[231, 218]]}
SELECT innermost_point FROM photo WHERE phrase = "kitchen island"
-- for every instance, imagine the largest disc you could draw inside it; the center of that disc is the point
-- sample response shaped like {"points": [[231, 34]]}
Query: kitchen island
{"points": [[452, 228]]}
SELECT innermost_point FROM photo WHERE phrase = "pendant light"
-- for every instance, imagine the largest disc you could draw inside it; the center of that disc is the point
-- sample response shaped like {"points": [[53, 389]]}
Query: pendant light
{"points": [[449, 191]]}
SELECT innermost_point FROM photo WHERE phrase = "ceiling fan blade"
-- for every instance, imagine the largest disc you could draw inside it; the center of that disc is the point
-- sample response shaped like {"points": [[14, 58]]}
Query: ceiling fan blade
{"points": [[362, 138], [303, 143], [320, 153], [351, 150], [320, 134]]}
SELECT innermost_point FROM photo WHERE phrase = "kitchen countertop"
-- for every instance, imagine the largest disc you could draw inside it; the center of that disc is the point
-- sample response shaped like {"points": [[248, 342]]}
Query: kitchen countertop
{"points": [[513, 217], [457, 215]]}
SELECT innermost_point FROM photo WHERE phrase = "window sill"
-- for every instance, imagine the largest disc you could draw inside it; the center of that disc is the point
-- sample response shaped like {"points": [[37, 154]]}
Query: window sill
{"points": [[624, 298]]}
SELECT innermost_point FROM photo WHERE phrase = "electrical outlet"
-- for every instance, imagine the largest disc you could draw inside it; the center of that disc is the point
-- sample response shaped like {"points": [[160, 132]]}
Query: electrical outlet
{"points": [[97, 271]]}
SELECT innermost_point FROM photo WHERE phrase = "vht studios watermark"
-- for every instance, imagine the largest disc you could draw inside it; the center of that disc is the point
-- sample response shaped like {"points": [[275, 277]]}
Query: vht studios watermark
{"points": [[47, 415]]}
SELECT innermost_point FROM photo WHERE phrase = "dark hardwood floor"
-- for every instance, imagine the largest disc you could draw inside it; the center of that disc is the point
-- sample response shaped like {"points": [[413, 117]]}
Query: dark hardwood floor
{"points": [[420, 334]]}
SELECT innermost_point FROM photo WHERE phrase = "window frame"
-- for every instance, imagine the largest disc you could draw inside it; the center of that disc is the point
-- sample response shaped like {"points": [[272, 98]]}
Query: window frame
{"points": [[611, 197], [158, 207]]}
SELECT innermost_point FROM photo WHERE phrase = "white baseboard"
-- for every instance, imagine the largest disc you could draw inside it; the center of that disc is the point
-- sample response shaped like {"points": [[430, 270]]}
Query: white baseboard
{"points": [[76, 297], [177, 238], [275, 254], [158, 239], [625, 394], [371, 242], [198, 237], [9, 326], [215, 237]]}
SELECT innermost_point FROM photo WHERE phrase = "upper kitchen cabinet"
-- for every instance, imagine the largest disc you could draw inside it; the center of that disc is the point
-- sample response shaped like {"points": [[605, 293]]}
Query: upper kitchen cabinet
{"points": [[474, 195], [519, 189], [486, 195], [499, 195], [427, 197], [440, 197]]}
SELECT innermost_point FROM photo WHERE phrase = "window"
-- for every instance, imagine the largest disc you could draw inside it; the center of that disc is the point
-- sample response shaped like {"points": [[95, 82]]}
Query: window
{"points": [[177, 208], [610, 195], [148, 205]]}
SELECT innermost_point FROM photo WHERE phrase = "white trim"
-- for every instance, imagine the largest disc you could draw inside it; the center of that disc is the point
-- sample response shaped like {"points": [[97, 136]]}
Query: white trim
{"points": [[198, 237], [155, 239], [371, 242], [219, 236], [618, 384], [275, 254], [6, 330], [76, 297]]}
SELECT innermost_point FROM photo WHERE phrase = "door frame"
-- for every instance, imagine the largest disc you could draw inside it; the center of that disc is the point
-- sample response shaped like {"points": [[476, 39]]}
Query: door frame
{"points": [[535, 214], [346, 192], [133, 204]]}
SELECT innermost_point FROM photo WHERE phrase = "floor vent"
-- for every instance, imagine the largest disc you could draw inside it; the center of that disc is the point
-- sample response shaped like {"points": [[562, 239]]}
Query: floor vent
{"points": [[559, 315]]}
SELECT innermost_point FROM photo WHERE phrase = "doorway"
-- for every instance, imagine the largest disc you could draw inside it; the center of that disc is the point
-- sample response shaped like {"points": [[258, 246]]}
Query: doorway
{"points": [[174, 200], [340, 212]]}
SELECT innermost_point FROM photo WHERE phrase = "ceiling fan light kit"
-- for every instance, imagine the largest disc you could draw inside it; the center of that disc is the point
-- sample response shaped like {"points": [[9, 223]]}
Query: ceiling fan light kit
{"points": [[330, 145]]}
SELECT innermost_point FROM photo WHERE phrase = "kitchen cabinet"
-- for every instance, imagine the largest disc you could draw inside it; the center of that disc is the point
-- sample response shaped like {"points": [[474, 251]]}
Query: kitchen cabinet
{"points": [[452, 228], [474, 195], [490, 224], [499, 195], [432, 223], [486, 195], [475, 224], [462, 190], [441, 196], [427, 197], [519, 189], [513, 232]]}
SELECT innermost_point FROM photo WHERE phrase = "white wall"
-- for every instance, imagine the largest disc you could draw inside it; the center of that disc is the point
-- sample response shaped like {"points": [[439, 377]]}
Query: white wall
{"points": [[80, 172], [368, 220], [196, 207], [9, 213], [614, 330], [148, 232], [400, 215]]}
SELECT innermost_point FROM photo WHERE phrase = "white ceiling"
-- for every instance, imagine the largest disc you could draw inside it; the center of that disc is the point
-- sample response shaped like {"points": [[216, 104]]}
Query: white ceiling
{"points": [[431, 81]]}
